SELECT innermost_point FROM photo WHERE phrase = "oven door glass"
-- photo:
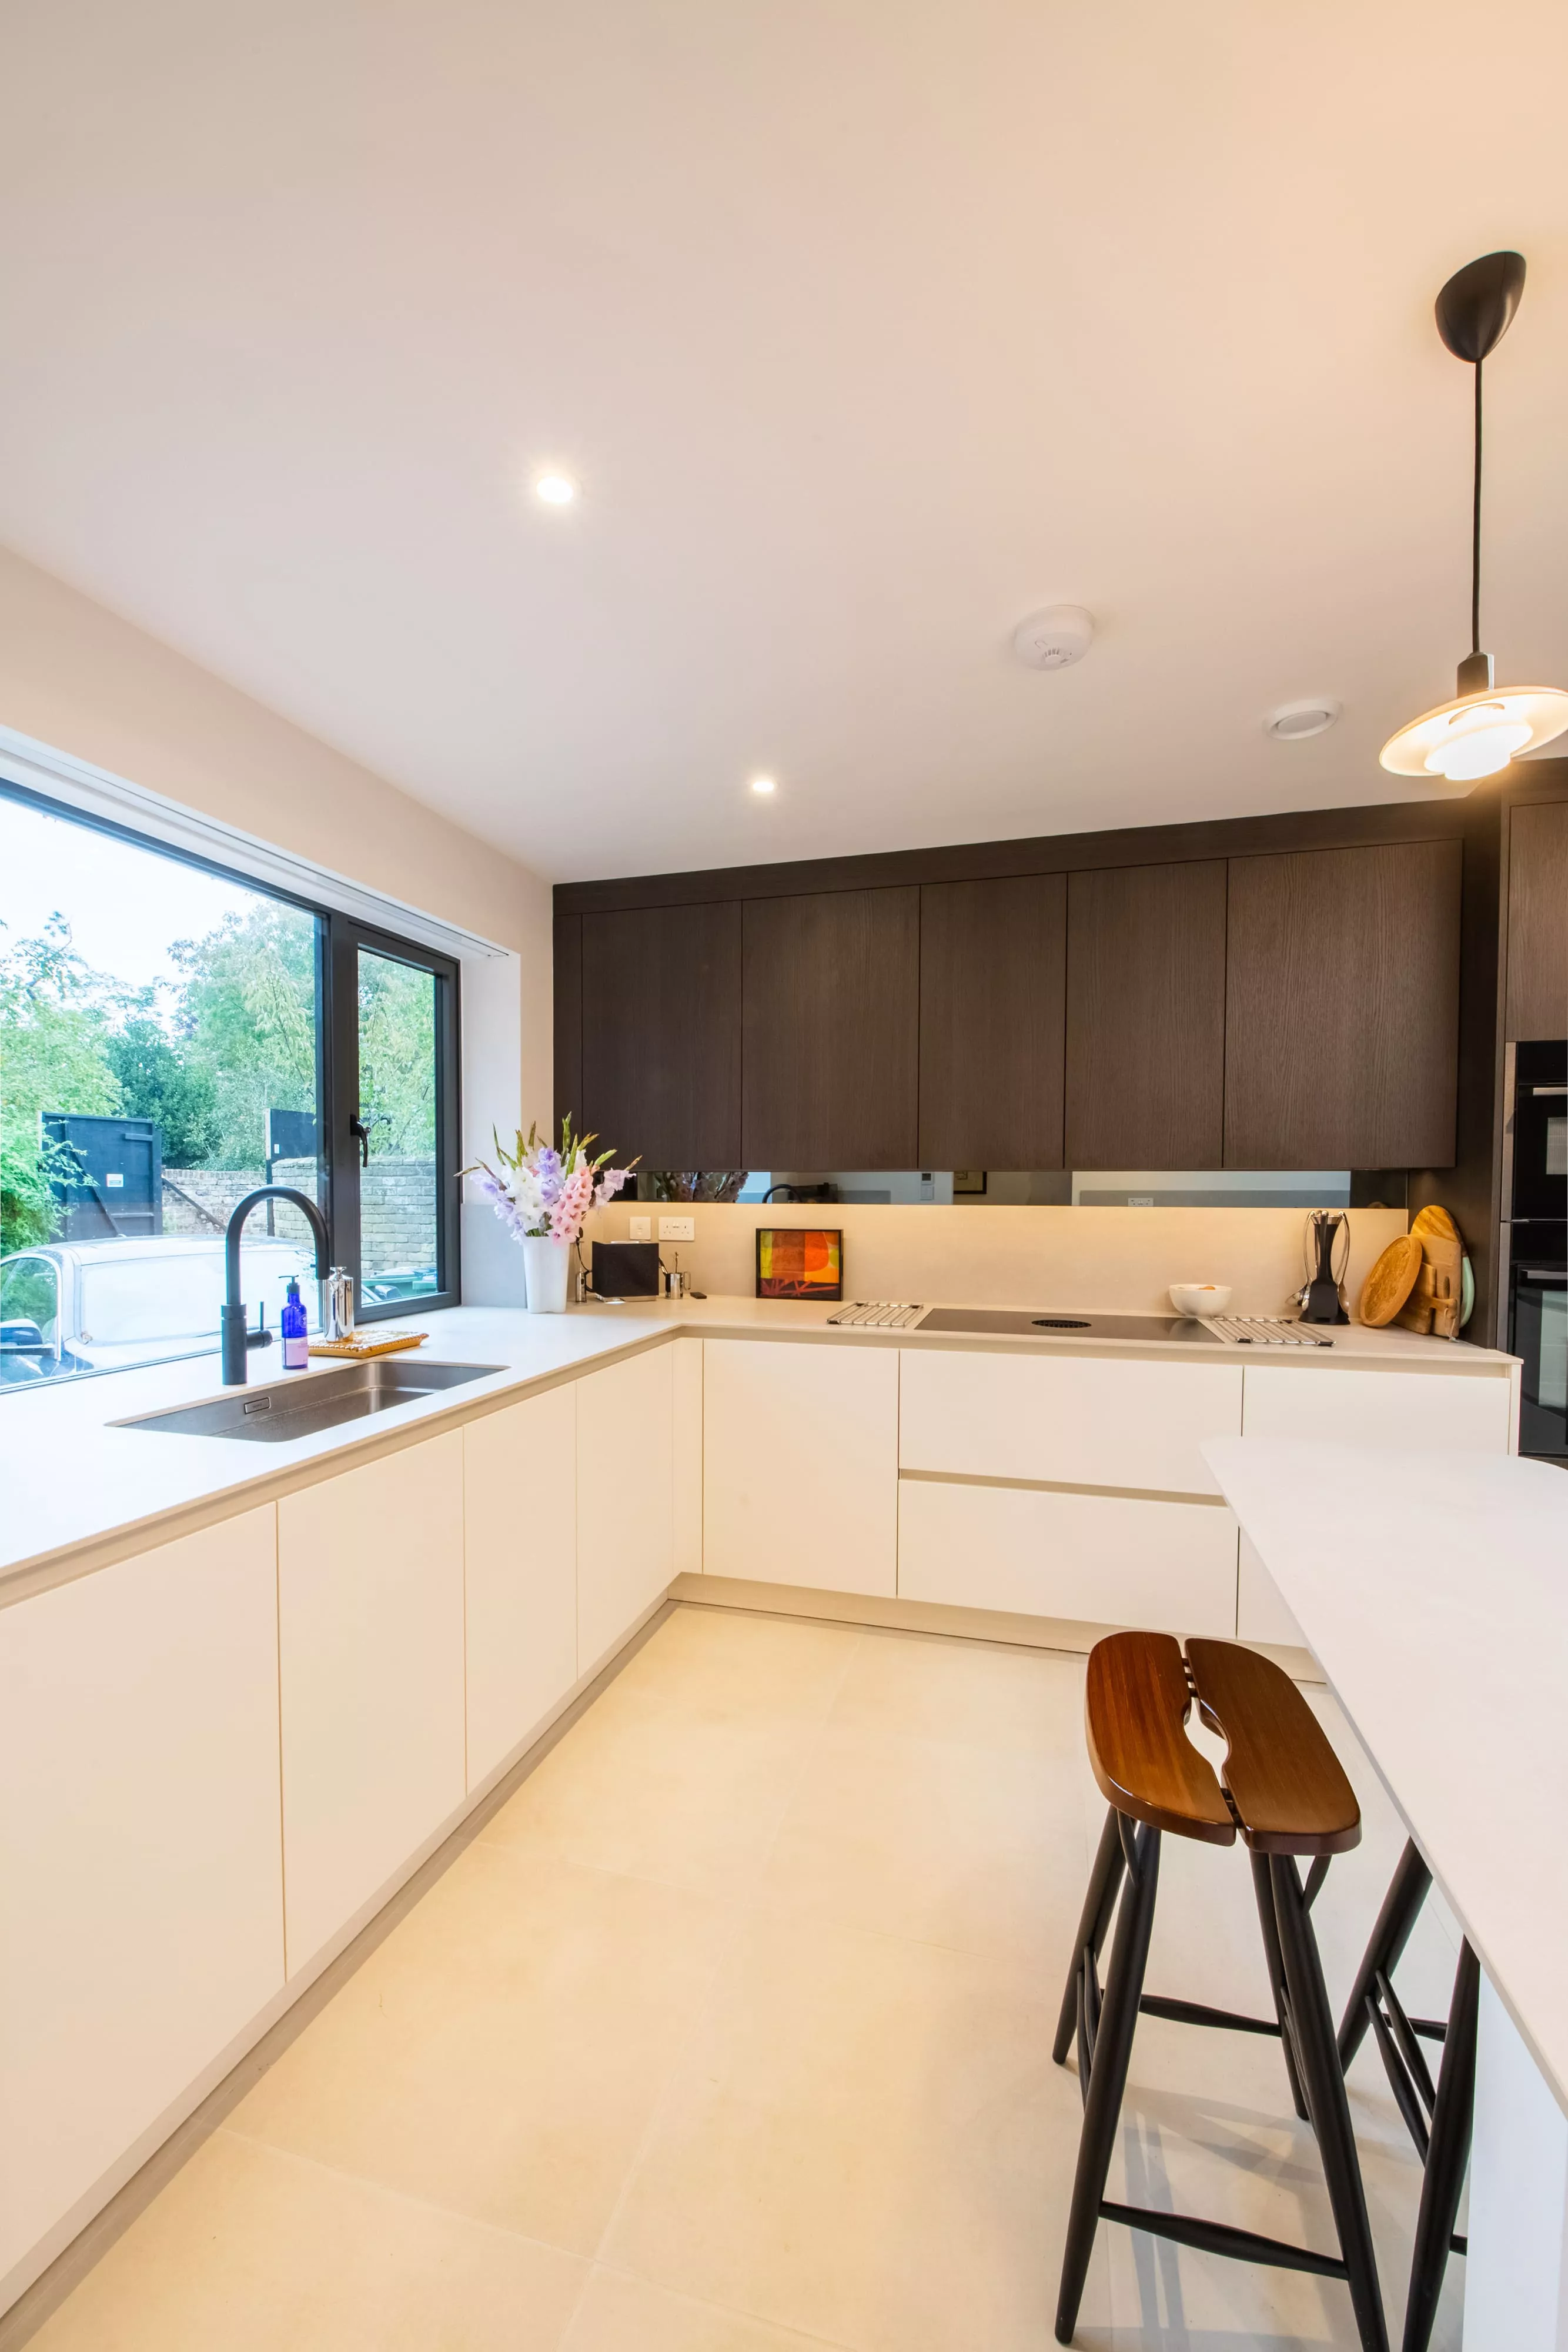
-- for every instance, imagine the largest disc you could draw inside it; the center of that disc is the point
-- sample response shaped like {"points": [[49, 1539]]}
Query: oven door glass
{"points": [[1541, 1151], [1541, 1340]]}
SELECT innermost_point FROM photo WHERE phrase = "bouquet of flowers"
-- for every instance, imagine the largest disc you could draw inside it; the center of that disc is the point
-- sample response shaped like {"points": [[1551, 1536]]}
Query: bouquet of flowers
{"points": [[542, 1193]]}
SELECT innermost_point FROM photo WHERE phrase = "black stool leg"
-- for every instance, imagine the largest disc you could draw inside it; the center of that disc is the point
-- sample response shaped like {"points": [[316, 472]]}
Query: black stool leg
{"points": [[1108, 2074], [1406, 1893], [1323, 2080], [1270, 1928], [1447, 2156], [1104, 1885]]}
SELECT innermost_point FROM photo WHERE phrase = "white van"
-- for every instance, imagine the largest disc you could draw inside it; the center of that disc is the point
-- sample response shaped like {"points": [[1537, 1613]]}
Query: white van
{"points": [[96, 1306]]}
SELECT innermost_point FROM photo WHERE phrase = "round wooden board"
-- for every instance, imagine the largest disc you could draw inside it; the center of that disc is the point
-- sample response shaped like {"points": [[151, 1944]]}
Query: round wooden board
{"points": [[1391, 1281], [1435, 1219]]}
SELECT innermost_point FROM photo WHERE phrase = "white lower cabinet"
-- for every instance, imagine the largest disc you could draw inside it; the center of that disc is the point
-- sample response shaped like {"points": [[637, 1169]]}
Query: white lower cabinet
{"points": [[141, 1866], [801, 1465], [1426, 1412], [519, 1546], [625, 1498], [1078, 1421], [370, 1660], [1106, 1560], [1260, 1611]]}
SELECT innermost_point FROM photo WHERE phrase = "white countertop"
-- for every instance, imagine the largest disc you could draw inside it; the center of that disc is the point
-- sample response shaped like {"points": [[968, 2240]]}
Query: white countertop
{"points": [[76, 1490], [1433, 1593]]}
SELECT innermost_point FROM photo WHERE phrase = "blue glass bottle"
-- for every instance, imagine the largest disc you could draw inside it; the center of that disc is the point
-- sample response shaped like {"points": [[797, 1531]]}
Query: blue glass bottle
{"points": [[296, 1346]]}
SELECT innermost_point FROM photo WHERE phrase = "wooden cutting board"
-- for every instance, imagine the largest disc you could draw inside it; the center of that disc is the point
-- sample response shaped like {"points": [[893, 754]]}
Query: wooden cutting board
{"points": [[362, 1345], [1391, 1281], [1435, 1220]]}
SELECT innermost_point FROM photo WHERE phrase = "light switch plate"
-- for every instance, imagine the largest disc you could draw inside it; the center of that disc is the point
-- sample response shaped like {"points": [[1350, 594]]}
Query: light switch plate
{"points": [[640, 1229], [678, 1229]]}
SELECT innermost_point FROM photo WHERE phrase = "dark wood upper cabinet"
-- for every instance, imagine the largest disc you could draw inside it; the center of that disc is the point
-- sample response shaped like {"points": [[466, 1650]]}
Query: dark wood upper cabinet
{"points": [[1537, 921], [661, 1034], [993, 1013], [1145, 1016], [567, 941], [830, 1030], [1342, 1007]]}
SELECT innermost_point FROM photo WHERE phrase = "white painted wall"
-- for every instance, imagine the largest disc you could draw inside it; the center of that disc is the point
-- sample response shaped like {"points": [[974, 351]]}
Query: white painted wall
{"points": [[78, 679]]}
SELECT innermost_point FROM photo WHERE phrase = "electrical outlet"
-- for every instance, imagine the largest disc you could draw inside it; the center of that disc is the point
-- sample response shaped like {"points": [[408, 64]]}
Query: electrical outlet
{"points": [[641, 1229], [678, 1229]]}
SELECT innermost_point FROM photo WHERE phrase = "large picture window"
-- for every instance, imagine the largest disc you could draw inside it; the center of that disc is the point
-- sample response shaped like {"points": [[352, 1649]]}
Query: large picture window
{"points": [[171, 1036]]}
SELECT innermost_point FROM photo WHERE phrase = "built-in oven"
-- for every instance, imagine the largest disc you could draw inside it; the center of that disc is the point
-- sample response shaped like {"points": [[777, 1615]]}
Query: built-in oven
{"points": [[1535, 1240]]}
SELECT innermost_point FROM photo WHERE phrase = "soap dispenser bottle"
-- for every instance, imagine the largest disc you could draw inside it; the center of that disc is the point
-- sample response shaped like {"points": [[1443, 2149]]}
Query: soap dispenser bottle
{"points": [[296, 1345]]}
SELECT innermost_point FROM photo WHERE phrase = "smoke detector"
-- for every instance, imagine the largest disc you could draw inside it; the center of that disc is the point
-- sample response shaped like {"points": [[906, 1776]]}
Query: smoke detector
{"points": [[1293, 720], [1051, 639]]}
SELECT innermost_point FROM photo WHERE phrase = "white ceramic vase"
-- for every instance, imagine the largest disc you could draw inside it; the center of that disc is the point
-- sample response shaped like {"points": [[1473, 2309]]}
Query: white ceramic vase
{"points": [[545, 1263]]}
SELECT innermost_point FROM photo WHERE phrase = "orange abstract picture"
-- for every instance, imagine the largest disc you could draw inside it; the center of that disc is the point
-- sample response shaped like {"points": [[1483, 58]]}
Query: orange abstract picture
{"points": [[798, 1262]]}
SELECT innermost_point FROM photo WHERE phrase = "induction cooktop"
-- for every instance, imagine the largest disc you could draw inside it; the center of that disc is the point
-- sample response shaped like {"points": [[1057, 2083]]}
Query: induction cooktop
{"points": [[1046, 1323]]}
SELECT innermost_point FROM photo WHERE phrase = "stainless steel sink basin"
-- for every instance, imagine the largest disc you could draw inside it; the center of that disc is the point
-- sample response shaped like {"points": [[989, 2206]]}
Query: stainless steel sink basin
{"points": [[299, 1408]]}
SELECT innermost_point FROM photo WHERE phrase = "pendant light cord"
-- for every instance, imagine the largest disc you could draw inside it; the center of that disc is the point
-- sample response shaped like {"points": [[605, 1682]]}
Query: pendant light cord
{"points": [[1476, 531]]}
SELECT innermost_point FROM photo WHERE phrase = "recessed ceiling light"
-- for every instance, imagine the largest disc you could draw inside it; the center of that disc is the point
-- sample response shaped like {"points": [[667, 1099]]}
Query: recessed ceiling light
{"points": [[763, 785], [1293, 720], [555, 489]]}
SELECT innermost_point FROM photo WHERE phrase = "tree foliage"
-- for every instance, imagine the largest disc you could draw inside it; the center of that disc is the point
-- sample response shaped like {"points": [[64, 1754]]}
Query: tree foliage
{"points": [[54, 1027], [176, 1091]]}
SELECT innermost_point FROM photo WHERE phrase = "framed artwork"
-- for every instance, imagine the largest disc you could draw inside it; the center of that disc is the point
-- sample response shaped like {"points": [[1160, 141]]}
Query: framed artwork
{"points": [[969, 1180], [799, 1261]]}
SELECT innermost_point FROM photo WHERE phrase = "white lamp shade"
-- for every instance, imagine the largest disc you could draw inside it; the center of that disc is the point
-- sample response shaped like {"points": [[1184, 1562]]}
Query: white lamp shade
{"points": [[1476, 734]]}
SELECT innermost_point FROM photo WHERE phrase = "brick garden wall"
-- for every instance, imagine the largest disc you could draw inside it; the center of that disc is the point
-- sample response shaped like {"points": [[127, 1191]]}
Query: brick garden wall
{"points": [[397, 1220]]}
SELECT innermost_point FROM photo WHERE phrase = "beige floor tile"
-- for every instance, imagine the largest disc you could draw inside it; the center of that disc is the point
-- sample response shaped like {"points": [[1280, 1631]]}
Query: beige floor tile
{"points": [[1027, 1702], [502, 2053], [660, 1792], [868, 2142], [620, 2313], [248, 2250], [966, 1846], [724, 1665]]}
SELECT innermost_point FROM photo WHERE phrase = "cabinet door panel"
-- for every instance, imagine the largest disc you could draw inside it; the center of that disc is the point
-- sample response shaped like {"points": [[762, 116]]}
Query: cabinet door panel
{"points": [[1102, 1559], [625, 1498], [142, 1917], [1260, 1611], [1424, 1412], [801, 1465], [1145, 1016], [661, 1034], [831, 1012], [1537, 922], [993, 1013], [519, 1551], [1342, 1008], [1079, 1422], [567, 941], [371, 1640]]}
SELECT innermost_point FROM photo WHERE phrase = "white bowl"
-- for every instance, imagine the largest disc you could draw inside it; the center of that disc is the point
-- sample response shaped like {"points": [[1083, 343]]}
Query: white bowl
{"points": [[1200, 1298]]}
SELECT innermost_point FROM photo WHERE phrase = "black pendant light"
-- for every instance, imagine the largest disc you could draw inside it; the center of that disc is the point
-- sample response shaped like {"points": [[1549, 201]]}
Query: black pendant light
{"points": [[1484, 727]]}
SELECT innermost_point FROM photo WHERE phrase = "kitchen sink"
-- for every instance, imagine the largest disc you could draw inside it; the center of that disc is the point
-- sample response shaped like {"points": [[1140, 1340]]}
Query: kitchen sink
{"points": [[299, 1408]]}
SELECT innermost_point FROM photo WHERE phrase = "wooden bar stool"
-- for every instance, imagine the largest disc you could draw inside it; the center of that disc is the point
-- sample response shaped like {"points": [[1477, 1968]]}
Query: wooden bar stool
{"points": [[1437, 2116], [1284, 1789]]}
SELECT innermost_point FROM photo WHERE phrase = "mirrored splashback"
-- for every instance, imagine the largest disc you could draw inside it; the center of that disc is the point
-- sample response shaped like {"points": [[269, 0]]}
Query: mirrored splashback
{"points": [[1121, 1188]]}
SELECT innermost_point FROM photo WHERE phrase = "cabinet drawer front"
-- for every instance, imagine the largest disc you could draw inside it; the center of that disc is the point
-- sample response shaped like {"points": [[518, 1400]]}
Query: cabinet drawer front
{"points": [[519, 1541], [1418, 1411], [625, 1498], [801, 1465], [139, 1852], [1104, 1560], [1260, 1611], [369, 1576], [1082, 1422]]}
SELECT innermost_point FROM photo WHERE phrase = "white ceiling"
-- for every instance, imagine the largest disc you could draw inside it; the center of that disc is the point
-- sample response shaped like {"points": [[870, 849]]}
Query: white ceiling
{"points": [[868, 326]]}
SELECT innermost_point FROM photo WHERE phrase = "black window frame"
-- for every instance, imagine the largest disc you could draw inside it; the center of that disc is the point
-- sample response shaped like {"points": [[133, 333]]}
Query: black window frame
{"points": [[338, 938]]}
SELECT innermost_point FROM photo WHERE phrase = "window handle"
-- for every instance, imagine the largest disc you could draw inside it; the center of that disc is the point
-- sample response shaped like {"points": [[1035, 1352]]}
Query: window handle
{"points": [[357, 1128]]}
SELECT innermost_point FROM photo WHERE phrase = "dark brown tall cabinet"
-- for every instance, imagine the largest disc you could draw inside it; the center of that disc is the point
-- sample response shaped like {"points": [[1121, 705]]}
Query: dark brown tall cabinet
{"points": [[661, 1034], [1537, 995], [1342, 1007], [993, 969], [1145, 1016], [831, 1003]]}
